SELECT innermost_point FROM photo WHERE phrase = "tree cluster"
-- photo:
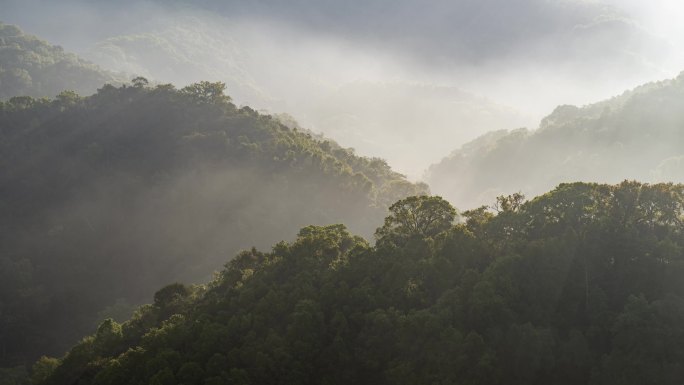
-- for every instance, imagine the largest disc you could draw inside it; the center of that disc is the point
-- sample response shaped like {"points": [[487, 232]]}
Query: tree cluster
{"points": [[105, 198], [582, 285], [33, 67]]}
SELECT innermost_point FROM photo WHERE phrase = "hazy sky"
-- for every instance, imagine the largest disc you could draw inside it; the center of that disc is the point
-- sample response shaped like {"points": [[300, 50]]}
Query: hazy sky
{"points": [[506, 62]]}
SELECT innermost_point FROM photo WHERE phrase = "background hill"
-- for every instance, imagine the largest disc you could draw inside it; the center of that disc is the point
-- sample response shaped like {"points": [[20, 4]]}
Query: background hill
{"points": [[33, 67], [385, 118], [107, 197], [637, 135], [404, 82]]}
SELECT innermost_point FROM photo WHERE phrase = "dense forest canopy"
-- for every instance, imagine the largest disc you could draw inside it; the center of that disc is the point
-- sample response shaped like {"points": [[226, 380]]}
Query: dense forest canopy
{"points": [[148, 229], [581, 285], [107, 197], [637, 135], [32, 67]]}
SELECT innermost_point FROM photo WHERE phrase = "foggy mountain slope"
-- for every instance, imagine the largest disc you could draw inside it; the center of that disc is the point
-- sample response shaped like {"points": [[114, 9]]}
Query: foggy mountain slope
{"points": [[462, 32], [267, 54], [581, 285], [33, 67], [378, 118], [637, 135], [439, 32], [408, 124], [186, 51], [107, 197]]}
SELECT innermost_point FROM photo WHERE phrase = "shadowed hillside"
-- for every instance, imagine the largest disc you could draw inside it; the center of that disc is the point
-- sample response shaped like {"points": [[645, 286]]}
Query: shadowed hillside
{"points": [[581, 285], [107, 197]]}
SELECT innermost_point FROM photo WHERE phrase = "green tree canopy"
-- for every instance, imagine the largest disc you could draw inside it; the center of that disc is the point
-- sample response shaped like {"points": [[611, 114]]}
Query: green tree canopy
{"points": [[207, 92], [424, 216], [582, 285]]}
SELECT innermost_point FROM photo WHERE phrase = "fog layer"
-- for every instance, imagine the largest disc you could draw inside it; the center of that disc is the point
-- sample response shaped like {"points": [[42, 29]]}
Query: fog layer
{"points": [[635, 136], [447, 70]]}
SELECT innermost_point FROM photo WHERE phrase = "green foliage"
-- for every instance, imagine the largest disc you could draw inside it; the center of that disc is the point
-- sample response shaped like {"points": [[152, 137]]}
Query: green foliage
{"points": [[43, 368], [207, 92], [581, 285], [30, 66], [108, 197], [172, 299], [421, 216], [108, 337]]}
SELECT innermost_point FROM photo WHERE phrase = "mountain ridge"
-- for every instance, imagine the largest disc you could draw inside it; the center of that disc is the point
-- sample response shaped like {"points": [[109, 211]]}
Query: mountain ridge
{"points": [[30, 66], [550, 290], [635, 135], [116, 193]]}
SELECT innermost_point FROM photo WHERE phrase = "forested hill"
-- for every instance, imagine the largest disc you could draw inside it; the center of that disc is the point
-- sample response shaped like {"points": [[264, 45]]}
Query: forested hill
{"points": [[33, 67], [637, 135], [107, 197], [582, 285]]}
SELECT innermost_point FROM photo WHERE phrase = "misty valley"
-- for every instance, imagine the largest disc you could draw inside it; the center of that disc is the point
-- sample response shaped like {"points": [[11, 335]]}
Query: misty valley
{"points": [[232, 192]]}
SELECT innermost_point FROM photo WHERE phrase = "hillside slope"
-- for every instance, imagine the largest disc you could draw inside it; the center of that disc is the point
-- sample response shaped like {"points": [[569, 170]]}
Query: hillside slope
{"points": [[637, 135], [579, 286], [107, 197], [33, 67], [389, 119]]}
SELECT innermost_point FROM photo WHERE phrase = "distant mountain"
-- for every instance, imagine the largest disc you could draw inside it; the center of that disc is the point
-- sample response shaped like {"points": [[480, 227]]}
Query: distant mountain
{"points": [[408, 124], [187, 51], [309, 57], [33, 67], [637, 135], [387, 119], [105, 198], [455, 32]]}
